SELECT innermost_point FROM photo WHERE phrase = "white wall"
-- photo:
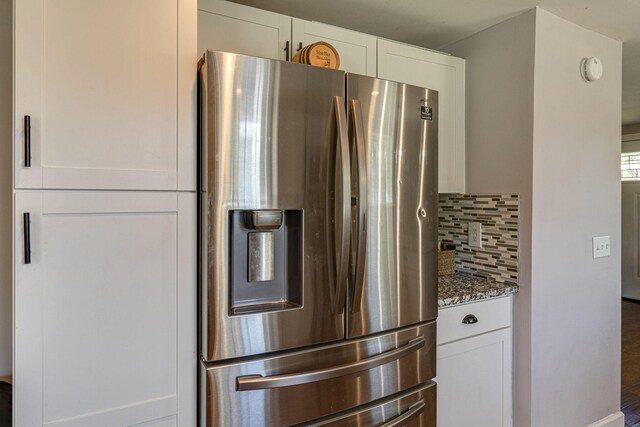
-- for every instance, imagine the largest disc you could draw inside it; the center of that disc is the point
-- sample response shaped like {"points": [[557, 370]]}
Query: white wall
{"points": [[499, 143], [535, 128], [6, 55], [576, 195]]}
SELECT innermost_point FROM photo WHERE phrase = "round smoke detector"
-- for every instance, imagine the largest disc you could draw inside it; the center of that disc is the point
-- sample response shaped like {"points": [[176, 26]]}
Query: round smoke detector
{"points": [[591, 69]]}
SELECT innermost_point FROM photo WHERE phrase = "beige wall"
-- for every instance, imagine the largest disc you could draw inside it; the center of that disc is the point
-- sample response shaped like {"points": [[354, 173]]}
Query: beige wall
{"points": [[499, 138], [576, 195], [6, 97], [531, 130]]}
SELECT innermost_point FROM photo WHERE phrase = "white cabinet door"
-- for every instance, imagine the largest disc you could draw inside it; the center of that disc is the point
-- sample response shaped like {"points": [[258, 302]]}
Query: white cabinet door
{"points": [[446, 74], [100, 83], [105, 310], [474, 381], [240, 29], [357, 51]]}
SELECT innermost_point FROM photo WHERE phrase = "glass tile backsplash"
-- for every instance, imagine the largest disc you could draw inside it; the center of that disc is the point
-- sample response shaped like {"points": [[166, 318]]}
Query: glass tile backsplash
{"points": [[498, 214]]}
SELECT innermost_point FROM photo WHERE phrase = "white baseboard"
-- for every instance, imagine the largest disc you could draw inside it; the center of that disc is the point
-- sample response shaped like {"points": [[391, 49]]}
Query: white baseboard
{"points": [[613, 420]]}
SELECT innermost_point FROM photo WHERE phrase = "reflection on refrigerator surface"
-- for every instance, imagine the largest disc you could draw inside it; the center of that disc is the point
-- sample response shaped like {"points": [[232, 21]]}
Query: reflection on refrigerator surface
{"points": [[317, 219]]}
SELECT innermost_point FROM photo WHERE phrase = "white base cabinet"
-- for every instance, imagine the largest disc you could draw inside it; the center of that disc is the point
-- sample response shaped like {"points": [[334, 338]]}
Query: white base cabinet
{"points": [[474, 365], [105, 302]]}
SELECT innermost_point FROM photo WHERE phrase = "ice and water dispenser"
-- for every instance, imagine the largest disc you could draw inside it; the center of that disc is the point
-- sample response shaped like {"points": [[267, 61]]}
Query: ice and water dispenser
{"points": [[266, 260]]}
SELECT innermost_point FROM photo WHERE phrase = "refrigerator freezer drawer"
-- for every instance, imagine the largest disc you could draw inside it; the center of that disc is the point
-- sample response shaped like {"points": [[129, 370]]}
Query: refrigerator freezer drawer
{"points": [[302, 386], [415, 408]]}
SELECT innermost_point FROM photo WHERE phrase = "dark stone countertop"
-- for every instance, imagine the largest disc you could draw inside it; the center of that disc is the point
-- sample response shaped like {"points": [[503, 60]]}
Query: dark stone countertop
{"points": [[460, 288]]}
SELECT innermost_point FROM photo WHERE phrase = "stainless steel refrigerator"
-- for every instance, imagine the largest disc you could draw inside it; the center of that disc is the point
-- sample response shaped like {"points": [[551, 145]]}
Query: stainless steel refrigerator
{"points": [[318, 228]]}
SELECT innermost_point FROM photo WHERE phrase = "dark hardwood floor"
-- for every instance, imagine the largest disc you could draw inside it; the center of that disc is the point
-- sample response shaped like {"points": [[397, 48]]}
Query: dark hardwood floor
{"points": [[631, 362]]}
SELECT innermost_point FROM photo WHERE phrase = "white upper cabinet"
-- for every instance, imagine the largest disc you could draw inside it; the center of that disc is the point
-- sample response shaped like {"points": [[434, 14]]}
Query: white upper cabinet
{"points": [[357, 51], [446, 74], [241, 29], [105, 331], [107, 86], [235, 28]]}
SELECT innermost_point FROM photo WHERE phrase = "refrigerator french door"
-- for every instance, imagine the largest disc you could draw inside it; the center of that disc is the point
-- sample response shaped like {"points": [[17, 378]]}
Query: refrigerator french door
{"points": [[394, 151], [317, 227], [274, 143]]}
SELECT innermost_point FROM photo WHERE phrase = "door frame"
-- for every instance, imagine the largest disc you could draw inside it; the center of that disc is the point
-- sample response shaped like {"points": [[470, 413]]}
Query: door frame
{"points": [[630, 143]]}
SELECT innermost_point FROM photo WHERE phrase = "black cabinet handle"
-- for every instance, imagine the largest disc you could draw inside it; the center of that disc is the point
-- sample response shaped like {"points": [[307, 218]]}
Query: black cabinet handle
{"points": [[470, 319], [299, 46], [27, 237], [27, 141], [287, 51]]}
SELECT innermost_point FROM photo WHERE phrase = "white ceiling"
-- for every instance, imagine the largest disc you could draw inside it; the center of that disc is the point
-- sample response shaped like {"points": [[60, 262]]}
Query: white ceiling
{"points": [[437, 23]]}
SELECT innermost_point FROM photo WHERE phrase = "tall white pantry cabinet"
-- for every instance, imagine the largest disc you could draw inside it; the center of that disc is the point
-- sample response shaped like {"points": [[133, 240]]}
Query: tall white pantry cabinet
{"points": [[104, 212]]}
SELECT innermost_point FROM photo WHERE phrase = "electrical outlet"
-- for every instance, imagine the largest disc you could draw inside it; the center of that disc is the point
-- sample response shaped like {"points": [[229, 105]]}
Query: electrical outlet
{"points": [[475, 234], [601, 247]]}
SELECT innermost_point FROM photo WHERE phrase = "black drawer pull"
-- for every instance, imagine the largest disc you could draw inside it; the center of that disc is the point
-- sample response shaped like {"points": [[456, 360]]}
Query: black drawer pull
{"points": [[27, 141], [27, 237], [470, 319]]}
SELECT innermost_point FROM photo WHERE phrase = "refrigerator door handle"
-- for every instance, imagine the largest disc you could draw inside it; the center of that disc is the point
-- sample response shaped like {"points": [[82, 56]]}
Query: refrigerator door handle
{"points": [[414, 410], [258, 382], [359, 222], [342, 208]]}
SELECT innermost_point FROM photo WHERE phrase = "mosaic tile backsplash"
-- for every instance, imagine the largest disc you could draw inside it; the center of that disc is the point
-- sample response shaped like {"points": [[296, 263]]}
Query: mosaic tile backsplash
{"points": [[498, 257]]}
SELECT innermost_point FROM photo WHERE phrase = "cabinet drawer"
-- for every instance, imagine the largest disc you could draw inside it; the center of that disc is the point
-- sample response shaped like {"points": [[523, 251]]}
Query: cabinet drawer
{"points": [[490, 314]]}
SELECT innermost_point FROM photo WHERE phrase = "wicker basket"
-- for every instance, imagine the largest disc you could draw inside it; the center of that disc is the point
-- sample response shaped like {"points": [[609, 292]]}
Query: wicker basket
{"points": [[446, 262]]}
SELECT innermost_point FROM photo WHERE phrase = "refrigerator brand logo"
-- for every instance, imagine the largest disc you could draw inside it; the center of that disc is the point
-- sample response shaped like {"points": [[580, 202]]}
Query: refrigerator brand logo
{"points": [[426, 113]]}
